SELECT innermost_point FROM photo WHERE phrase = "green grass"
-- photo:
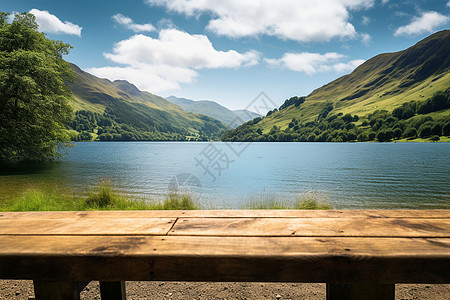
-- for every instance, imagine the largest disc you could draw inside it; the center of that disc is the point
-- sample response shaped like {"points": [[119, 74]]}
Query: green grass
{"points": [[42, 199], [104, 197], [101, 197], [442, 139], [307, 200]]}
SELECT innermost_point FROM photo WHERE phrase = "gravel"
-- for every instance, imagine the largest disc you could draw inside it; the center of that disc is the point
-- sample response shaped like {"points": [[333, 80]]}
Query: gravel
{"points": [[137, 290]]}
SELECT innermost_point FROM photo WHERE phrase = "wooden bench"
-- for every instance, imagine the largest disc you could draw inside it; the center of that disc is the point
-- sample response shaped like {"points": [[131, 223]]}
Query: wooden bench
{"points": [[360, 254]]}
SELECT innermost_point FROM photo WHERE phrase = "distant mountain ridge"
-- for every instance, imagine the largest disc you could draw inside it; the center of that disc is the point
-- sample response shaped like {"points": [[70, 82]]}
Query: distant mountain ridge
{"points": [[214, 110], [118, 110]]}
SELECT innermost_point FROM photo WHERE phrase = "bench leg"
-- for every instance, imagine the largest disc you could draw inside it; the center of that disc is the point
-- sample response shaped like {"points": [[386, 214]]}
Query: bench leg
{"points": [[58, 290], [112, 290], [360, 291]]}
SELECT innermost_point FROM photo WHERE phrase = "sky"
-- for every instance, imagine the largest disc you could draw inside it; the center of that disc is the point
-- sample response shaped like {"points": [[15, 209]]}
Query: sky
{"points": [[230, 51]]}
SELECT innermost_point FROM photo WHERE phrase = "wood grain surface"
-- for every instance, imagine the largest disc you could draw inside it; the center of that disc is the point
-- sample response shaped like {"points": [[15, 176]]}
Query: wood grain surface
{"points": [[337, 247]]}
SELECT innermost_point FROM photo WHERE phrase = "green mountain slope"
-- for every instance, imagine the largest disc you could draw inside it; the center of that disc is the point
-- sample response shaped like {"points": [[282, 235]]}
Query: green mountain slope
{"points": [[106, 110], [384, 82], [214, 110]]}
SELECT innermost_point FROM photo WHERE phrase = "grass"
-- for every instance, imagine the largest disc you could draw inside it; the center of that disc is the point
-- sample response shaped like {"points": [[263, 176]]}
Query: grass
{"points": [[104, 197], [442, 139], [307, 200], [101, 197]]}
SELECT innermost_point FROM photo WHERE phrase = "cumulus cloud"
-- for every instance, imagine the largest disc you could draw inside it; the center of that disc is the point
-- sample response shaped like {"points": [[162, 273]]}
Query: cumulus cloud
{"points": [[157, 64], [425, 23], [51, 24], [305, 21], [153, 78], [129, 24], [311, 63], [448, 4]]}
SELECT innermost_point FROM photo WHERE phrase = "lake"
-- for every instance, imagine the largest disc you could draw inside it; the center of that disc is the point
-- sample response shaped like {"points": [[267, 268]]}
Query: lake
{"points": [[229, 175]]}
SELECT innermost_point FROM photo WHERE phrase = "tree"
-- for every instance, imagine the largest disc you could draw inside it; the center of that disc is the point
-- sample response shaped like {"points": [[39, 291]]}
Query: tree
{"points": [[34, 104], [347, 118], [425, 130], [446, 129]]}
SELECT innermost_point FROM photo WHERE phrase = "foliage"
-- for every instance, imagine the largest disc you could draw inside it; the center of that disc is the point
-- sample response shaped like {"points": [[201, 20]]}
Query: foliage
{"points": [[296, 101], [405, 121], [33, 95], [135, 122]]}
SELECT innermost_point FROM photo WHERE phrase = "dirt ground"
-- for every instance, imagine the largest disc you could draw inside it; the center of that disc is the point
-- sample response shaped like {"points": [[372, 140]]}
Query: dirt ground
{"points": [[137, 290]]}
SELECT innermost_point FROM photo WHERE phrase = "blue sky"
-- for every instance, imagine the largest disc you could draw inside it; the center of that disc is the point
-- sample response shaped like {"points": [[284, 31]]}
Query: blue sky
{"points": [[230, 51]]}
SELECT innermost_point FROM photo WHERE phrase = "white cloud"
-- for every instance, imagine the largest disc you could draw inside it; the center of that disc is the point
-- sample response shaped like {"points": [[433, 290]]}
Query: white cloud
{"points": [[365, 20], [311, 63], [347, 66], [427, 22], [153, 78], [129, 23], [157, 64], [448, 4], [305, 21], [51, 24], [366, 38]]}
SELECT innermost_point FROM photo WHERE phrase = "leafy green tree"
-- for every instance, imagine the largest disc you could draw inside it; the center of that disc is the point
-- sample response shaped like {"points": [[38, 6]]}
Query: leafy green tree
{"points": [[446, 129], [397, 133], [410, 132], [34, 106], [385, 135], [425, 130], [347, 118]]}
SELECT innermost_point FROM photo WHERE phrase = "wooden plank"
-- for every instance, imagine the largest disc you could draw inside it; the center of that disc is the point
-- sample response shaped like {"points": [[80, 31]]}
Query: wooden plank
{"points": [[85, 226], [112, 290], [222, 246], [360, 291], [428, 214], [389, 227], [333, 260]]}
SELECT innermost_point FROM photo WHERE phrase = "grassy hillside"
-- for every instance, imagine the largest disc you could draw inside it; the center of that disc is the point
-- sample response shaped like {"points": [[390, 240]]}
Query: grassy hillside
{"points": [[383, 83], [106, 110], [214, 110]]}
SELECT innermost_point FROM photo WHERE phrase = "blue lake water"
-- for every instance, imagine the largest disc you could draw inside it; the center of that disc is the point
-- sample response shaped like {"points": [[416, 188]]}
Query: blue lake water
{"points": [[347, 175]]}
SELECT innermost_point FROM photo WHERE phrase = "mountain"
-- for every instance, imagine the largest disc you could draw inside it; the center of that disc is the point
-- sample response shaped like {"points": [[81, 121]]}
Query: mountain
{"points": [[214, 110], [118, 110], [246, 115], [385, 82]]}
